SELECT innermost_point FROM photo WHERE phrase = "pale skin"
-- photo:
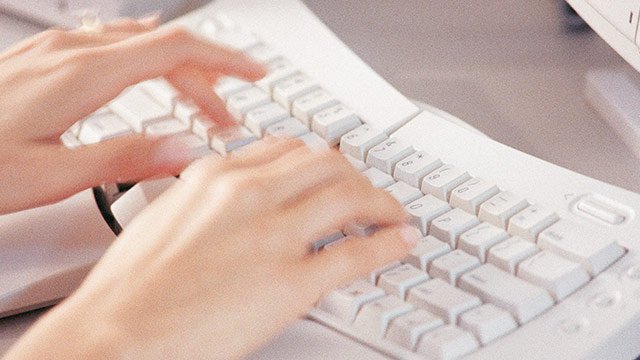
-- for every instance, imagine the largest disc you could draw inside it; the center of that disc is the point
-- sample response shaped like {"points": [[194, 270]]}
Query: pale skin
{"points": [[219, 263]]}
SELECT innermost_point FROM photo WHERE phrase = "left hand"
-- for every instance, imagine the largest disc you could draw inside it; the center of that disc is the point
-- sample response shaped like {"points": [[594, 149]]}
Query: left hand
{"points": [[56, 78]]}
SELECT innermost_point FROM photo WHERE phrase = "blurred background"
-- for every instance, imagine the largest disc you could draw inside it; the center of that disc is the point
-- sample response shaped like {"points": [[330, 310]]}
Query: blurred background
{"points": [[513, 69]]}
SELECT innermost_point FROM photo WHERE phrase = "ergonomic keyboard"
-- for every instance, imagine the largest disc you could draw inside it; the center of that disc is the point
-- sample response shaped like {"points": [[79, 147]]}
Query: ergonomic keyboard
{"points": [[520, 258]]}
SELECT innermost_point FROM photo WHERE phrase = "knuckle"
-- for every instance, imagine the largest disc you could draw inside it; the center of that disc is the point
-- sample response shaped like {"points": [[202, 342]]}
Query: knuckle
{"points": [[177, 34]]}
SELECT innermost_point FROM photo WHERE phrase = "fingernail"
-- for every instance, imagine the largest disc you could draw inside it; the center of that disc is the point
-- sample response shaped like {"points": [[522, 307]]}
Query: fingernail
{"points": [[175, 150], [410, 235]]}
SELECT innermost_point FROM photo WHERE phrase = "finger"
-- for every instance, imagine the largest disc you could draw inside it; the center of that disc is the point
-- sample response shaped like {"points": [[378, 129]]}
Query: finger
{"points": [[127, 24], [29, 43], [358, 256], [193, 83], [167, 49], [335, 205]]}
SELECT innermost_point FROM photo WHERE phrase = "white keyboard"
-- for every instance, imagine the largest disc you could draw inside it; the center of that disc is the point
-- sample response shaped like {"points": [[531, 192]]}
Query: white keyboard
{"points": [[519, 258]]}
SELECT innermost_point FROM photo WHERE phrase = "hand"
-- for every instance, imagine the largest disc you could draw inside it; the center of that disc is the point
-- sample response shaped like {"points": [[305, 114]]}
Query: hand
{"points": [[58, 77], [220, 262]]}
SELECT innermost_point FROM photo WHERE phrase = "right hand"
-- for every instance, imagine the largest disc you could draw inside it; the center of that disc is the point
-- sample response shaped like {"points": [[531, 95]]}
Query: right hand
{"points": [[220, 262]]}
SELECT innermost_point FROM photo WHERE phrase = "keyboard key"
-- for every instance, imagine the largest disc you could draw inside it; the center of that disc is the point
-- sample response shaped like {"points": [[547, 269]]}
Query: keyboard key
{"points": [[400, 279], [314, 142], [451, 266], [138, 109], [448, 226], [442, 299], [501, 207], [480, 238], [469, 195], [186, 111], [277, 70], [204, 127], [228, 85], [529, 222], [404, 193], [345, 302], [405, 330], [260, 118], [291, 88], [378, 178], [241, 102], [374, 317], [75, 128], [166, 128], [103, 127], [592, 247], [425, 209], [263, 54], [334, 122], [559, 276], [231, 139], [357, 164], [523, 300], [287, 128], [161, 90], [358, 141], [197, 146], [69, 140], [373, 276], [306, 106], [446, 343], [385, 155], [415, 167], [444, 179], [358, 229], [426, 249], [509, 253], [487, 322], [319, 244]]}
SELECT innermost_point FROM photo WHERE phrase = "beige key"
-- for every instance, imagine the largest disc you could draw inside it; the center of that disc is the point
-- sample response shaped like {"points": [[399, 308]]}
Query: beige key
{"points": [[405, 330], [427, 249], [488, 322], [423, 210], [442, 299], [449, 267], [447, 343]]}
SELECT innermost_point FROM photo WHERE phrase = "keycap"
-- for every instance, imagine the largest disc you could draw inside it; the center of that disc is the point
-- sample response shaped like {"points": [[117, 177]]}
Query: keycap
{"points": [[314, 141], [359, 229], [358, 141], [231, 139], [523, 300], [69, 140], [357, 164], [448, 226], [405, 330], [307, 106], [385, 155], [425, 209], [374, 317], [400, 279], [204, 127], [291, 88], [277, 70], [228, 85], [235, 39], [166, 128], [345, 302], [319, 244], [373, 276], [75, 128], [501, 207], [446, 343], [138, 109], [404, 192], [288, 128], [487, 322], [260, 118], [102, 127], [442, 299], [263, 53], [559, 276], [197, 146], [241, 102], [378, 178], [334, 122], [469, 195], [186, 111], [426, 249], [415, 167], [161, 90], [449, 267], [440, 182], [480, 238], [529, 222], [589, 246], [509, 253]]}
